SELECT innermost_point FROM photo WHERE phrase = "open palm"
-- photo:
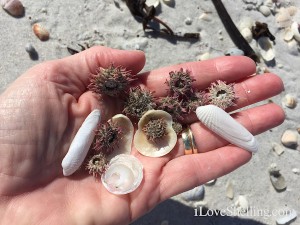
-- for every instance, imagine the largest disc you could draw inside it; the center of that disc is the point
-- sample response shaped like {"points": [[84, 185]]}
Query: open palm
{"points": [[42, 110]]}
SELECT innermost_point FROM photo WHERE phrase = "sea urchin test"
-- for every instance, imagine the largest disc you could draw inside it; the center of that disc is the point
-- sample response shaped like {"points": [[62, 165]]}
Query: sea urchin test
{"points": [[221, 123], [81, 144]]}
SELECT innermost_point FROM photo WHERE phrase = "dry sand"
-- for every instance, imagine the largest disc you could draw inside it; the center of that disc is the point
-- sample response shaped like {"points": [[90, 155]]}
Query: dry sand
{"points": [[110, 23]]}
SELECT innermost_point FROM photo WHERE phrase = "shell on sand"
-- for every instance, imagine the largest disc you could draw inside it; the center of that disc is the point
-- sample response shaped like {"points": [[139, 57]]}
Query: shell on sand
{"points": [[266, 49], [40, 32], [81, 144], [13, 7], [221, 123]]}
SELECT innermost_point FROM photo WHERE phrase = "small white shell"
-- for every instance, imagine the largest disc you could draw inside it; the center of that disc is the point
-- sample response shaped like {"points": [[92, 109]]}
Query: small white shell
{"points": [[246, 22], [265, 10], [266, 49], [289, 101], [81, 144], [247, 34], [225, 126], [13, 7], [123, 175], [234, 51], [295, 30], [154, 3], [194, 194], [287, 218], [288, 34], [283, 18], [162, 146], [124, 146], [242, 204]]}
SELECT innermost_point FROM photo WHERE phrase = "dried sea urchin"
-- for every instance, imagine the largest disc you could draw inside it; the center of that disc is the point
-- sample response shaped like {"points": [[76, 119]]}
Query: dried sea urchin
{"points": [[155, 129], [106, 138], [221, 94], [112, 81], [171, 105], [180, 83], [97, 164], [138, 102], [196, 99]]}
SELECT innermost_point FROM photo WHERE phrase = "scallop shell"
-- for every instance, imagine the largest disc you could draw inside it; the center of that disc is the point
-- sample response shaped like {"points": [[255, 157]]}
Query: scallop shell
{"points": [[225, 126], [160, 147], [40, 32], [266, 49], [81, 144], [124, 146], [295, 30], [13, 7], [123, 175]]}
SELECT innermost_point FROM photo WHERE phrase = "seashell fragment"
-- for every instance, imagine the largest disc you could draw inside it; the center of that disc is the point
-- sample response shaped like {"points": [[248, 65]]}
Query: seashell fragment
{"points": [[234, 51], [194, 194], [266, 49], [286, 219], [229, 190], [123, 175], [154, 3], [277, 148], [247, 34], [289, 101], [288, 34], [290, 138], [40, 32], [277, 180], [124, 146], [246, 22], [242, 204], [225, 126], [170, 3], [13, 7], [283, 18], [162, 145], [265, 10], [80, 144], [295, 29]]}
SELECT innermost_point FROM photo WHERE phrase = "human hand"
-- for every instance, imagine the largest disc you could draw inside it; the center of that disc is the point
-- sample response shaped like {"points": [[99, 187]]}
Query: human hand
{"points": [[42, 110]]}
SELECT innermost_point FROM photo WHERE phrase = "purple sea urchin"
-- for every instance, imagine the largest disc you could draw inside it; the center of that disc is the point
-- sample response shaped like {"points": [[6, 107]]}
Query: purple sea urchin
{"points": [[155, 129], [107, 138], [171, 105], [97, 164], [138, 102], [221, 94], [112, 81], [180, 83]]}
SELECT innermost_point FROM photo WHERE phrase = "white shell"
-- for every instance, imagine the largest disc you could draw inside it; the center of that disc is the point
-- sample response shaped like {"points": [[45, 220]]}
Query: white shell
{"points": [[225, 126], [123, 175], [242, 204], [265, 10], [283, 18], [125, 143], [154, 3], [160, 147], [234, 51], [266, 49], [289, 101], [295, 30], [246, 22], [247, 34], [194, 194], [288, 34], [13, 7], [170, 3], [287, 218], [81, 144]]}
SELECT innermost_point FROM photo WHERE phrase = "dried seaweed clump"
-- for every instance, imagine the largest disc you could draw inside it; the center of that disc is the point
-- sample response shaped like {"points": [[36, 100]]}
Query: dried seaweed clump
{"points": [[172, 105], [97, 164], [155, 129], [138, 102], [112, 81], [107, 137], [180, 83], [221, 94]]}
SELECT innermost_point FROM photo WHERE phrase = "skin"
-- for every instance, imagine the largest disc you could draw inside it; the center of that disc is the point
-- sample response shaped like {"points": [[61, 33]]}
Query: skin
{"points": [[42, 110]]}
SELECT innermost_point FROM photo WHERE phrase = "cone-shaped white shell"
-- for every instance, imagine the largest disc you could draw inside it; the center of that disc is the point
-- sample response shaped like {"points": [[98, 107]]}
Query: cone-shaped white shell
{"points": [[162, 146], [123, 175], [220, 122], [81, 144], [124, 146]]}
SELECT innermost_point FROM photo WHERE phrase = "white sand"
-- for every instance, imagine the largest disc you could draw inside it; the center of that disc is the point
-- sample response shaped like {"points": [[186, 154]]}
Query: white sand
{"points": [[101, 22]]}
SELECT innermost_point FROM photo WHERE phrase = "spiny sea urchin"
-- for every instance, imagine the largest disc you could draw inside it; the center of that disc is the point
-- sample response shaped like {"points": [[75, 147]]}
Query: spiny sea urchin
{"points": [[107, 137], [155, 129], [138, 102], [221, 94], [172, 105], [180, 82], [97, 164], [196, 99], [112, 81]]}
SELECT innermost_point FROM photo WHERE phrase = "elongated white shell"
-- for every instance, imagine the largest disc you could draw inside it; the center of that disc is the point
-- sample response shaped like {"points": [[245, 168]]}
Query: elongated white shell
{"points": [[81, 144], [124, 146], [220, 122], [123, 175]]}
